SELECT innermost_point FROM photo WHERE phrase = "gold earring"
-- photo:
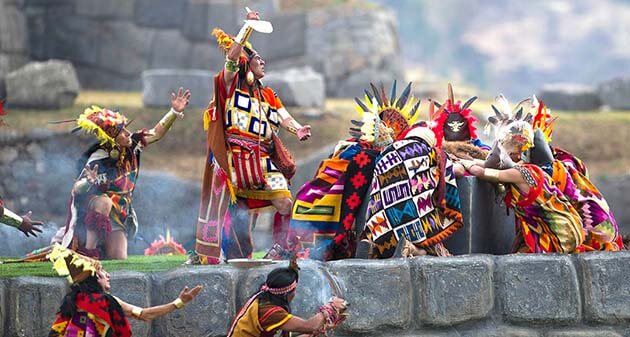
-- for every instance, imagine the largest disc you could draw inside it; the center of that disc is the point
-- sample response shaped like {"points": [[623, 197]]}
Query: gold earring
{"points": [[249, 77], [114, 154]]}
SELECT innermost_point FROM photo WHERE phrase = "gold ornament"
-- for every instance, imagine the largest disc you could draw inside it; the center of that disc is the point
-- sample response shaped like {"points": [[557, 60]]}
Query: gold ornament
{"points": [[249, 77]]}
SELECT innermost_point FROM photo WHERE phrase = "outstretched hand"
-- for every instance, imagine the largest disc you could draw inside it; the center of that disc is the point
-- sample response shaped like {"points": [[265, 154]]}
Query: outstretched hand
{"points": [[91, 174], [188, 295], [181, 100], [304, 132], [30, 227]]}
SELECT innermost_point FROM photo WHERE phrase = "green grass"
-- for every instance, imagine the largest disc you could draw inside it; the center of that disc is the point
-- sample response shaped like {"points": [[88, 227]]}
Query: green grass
{"points": [[136, 263]]}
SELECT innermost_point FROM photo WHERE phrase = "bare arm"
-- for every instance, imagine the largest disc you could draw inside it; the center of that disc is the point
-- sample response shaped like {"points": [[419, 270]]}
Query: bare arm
{"points": [[148, 314], [297, 324], [291, 125], [325, 319], [178, 105], [231, 59], [510, 175]]}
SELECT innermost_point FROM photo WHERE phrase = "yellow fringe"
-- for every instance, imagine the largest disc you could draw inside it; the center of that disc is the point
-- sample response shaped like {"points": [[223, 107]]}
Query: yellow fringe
{"points": [[89, 126], [206, 119]]}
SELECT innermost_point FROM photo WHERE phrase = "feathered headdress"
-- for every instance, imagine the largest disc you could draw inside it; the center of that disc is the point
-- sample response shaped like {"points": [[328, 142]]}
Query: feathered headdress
{"points": [[510, 124], [384, 116], [103, 123], [459, 125], [73, 265], [225, 41], [542, 118]]}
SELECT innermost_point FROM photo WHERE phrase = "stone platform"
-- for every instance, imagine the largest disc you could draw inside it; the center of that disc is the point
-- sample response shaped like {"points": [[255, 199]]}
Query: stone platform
{"points": [[469, 295]]}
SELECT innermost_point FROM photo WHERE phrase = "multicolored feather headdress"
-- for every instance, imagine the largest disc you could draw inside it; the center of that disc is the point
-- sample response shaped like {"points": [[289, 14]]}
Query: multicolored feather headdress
{"points": [[73, 265], [103, 123], [383, 116], [456, 119], [542, 118]]}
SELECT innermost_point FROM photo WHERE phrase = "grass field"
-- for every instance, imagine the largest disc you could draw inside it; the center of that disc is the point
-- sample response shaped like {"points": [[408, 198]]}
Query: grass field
{"points": [[599, 138], [134, 263]]}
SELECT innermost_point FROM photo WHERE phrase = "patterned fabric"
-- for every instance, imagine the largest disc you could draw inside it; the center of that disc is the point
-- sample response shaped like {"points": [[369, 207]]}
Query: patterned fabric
{"points": [[546, 221], [258, 319], [316, 211], [98, 315], [120, 177], [413, 196], [250, 123], [326, 208], [235, 114], [602, 232], [568, 159]]}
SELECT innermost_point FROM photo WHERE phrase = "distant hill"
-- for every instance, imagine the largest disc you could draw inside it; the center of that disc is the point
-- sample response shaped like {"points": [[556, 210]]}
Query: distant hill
{"points": [[515, 46]]}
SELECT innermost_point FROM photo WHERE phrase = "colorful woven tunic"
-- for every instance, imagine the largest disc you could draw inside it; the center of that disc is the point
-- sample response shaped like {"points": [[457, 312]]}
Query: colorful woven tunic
{"points": [[413, 196], [602, 232], [118, 177], [240, 125], [98, 315], [258, 319], [546, 221], [326, 208]]}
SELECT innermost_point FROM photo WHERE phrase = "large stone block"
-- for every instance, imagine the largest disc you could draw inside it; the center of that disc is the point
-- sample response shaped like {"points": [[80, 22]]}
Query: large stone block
{"points": [[8, 63], [379, 293], [298, 87], [96, 78], [71, 38], [206, 56], [133, 288], [46, 85], [454, 290], [203, 15], [288, 39], [315, 286], [538, 289], [33, 304], [13, 30], [159, 13], [112, 9], [569, 96], [124, 48], [487, 226], [582, 333], [616, 93], [209, 314], [506, 331], [157, 85], [169, 49], [605, 284]]}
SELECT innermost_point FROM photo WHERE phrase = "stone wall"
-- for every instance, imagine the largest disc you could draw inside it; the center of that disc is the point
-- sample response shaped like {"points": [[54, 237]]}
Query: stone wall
{"points": [[111, 42], [471, 295]]}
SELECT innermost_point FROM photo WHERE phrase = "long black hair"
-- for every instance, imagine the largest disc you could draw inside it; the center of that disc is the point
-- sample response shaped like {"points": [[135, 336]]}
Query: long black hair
{"points": [[279, 278], [88, 286]]}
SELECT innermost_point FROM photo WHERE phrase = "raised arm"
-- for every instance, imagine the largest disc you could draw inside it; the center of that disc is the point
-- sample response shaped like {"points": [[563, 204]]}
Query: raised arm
{"points": [[148, 314], [231, 59], [178, 105]]}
